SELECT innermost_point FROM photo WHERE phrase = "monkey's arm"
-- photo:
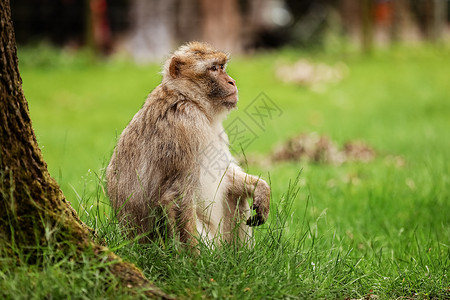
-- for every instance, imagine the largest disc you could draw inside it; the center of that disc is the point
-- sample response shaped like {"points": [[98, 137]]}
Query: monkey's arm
{"points": [[243, 185]]}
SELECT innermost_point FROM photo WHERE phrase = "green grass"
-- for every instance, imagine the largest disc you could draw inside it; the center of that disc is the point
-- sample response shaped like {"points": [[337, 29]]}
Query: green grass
{"points": [[336, 232]]}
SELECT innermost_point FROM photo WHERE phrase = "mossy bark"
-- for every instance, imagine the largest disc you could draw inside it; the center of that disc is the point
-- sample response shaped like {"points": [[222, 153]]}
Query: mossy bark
{"points": [[31, 201]]}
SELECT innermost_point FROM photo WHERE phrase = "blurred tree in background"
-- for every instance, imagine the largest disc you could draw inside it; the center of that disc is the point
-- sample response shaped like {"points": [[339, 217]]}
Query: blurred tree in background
{"points": [[148, 29]]}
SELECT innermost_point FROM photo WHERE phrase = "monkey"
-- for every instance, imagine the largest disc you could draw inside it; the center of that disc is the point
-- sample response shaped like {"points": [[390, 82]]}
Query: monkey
{"points": [[172, 167]]}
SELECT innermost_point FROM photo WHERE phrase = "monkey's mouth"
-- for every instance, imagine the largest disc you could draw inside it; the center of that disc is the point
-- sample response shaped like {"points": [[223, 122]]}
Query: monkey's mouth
{"points": [[230, 101], [231, 96]]}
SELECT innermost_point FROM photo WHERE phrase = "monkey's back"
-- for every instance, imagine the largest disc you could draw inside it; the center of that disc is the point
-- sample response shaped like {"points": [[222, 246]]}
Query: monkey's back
{"points": [[155, 157]]}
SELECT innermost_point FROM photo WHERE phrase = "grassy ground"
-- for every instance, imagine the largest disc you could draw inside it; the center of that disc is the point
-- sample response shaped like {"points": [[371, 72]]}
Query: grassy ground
{"points": [[352, 230]]}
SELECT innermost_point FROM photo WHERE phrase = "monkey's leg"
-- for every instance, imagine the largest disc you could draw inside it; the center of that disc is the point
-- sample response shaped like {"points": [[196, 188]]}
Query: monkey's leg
{"points": [[186, 225], [174, 215], [243, 185], [185, 218]]}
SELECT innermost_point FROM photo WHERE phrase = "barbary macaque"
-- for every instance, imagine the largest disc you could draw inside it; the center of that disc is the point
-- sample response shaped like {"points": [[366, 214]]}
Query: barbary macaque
{"points": [[172, 167]]}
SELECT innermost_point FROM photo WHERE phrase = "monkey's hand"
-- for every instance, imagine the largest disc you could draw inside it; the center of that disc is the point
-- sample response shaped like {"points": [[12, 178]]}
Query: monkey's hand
{"points": [[261, 203]]}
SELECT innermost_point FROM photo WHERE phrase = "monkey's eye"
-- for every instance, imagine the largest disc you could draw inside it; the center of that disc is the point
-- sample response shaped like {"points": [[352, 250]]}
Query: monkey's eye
{"points": [[213, 68], [221, 66]]}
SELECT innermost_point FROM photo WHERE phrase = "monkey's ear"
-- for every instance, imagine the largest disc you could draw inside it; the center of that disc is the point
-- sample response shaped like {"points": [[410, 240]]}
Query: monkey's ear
{"points": [[175, 67]]}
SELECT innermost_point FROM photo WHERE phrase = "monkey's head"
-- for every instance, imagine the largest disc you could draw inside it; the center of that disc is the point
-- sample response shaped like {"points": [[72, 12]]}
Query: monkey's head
{"points": [[197, 66]]}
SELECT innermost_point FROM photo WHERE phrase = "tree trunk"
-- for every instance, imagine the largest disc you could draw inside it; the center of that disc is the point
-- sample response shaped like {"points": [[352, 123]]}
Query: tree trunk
{"points": [[31, 201], [152, 29], [221, 24], [367, 25], [350, 11], [98, 31], [405, 26], [382, 29], [188, 21], [440, 9]]}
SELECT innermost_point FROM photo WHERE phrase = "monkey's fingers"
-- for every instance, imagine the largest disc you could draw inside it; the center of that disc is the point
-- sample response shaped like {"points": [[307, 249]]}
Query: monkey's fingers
{"points": [[256, 220], [261, 210]]}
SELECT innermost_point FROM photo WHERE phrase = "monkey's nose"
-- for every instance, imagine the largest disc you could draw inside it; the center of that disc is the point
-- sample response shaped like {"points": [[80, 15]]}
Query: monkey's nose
{"points": [[232, 82]]}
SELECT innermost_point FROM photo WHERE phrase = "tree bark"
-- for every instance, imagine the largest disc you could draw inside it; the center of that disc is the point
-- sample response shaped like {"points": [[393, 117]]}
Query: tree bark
{"points": [[31, 201]]}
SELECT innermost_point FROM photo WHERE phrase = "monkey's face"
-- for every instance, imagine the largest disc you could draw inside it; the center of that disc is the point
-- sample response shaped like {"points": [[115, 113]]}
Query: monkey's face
{"points": [[198, 65], [221, 88]]}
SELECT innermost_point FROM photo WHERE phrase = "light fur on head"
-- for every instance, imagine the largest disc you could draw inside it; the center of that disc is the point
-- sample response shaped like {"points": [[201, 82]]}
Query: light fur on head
{"points": [[198, 55]]}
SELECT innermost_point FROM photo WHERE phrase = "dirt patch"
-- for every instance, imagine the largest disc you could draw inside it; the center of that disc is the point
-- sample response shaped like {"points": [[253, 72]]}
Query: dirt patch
{"points": [[358, 151], [316, 148], [320, 149], [306, 73]]}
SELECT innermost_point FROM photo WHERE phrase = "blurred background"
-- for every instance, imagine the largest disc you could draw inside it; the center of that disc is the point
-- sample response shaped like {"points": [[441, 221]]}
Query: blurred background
{"points": [[360, 104], [363, 76], [147, 30]]}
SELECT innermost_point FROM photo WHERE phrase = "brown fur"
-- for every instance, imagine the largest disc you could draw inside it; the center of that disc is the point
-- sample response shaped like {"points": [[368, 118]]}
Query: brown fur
{"points": [[156, 177]]}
